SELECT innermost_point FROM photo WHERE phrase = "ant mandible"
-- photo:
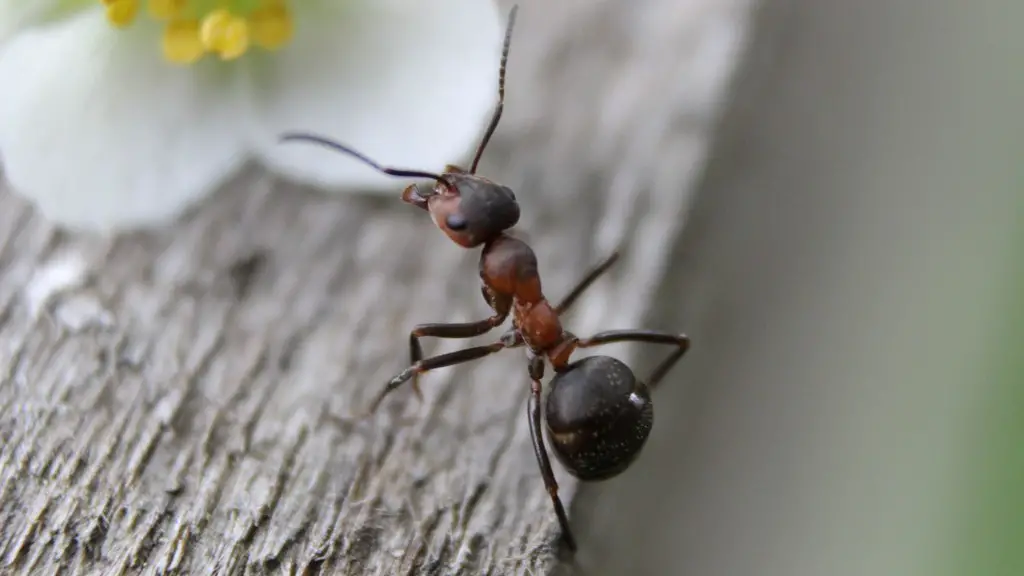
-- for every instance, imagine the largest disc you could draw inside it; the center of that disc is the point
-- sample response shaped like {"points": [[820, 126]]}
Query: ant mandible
{"points": [[598, 414]]}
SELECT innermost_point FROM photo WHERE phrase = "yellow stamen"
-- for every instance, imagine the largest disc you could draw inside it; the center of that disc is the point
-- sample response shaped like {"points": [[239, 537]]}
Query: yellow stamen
{"points": [[224, 33], [226, 28], [271, 26], [121, 13], [166, 9], [181, 42]]}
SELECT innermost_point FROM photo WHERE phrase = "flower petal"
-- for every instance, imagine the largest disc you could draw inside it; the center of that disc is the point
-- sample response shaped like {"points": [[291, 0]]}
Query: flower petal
{"points": [[99, 132], [408, 82], [16, 15]]}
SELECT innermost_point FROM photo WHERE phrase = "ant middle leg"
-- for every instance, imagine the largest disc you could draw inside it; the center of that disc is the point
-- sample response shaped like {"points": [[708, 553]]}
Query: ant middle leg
{"points": [[460, 330], [681, 341], [433, 363], [536, 369], [581, 286]]}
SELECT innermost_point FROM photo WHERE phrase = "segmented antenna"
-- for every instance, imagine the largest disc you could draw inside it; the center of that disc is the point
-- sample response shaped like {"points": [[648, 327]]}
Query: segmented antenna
{"points": [[327, 142], [501, 90]]}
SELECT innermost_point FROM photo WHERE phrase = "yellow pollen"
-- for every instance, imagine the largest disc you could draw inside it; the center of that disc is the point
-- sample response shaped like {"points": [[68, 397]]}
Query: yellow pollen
{"points": [[271, 25], [192, 29], [166, 9], [181, 42], [121, 13], [224, 33]]}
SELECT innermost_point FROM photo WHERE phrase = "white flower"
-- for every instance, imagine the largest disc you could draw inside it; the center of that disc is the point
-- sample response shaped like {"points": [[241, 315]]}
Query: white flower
{"points": [[122, 113]]}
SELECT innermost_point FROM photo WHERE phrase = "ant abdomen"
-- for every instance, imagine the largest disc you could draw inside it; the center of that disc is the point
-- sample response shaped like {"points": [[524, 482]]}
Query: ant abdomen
{"points": [[598, 417]]}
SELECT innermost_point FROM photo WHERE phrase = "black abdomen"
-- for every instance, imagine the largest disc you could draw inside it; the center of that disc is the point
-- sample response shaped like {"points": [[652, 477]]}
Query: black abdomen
{"points": [[598, 417]]}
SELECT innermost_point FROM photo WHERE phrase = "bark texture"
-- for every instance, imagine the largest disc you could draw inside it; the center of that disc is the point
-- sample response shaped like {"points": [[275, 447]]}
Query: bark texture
{"points": [[182, 400]]}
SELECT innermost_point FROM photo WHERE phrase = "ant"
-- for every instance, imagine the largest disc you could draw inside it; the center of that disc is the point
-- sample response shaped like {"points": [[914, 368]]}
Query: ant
{"points": [[598, 414]]}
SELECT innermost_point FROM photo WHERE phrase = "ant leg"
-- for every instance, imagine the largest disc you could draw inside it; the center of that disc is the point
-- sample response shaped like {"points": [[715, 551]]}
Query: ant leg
{"points": [[585, 283], [433, 363], [681, 341], [533, 410], [462, 330]]}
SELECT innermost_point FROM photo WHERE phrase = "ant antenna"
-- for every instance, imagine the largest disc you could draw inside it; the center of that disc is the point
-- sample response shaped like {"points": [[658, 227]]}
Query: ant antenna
{"points": [[327, 142], [408, 173], [501, 90]]}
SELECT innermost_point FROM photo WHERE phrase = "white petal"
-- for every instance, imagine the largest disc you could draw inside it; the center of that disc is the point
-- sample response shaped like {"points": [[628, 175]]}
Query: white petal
{"points": [[101, 133], [16, 15], [410, 83]]}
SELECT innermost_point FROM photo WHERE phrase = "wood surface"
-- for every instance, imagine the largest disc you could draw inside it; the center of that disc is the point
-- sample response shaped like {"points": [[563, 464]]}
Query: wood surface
{"points": [[182, 400]]}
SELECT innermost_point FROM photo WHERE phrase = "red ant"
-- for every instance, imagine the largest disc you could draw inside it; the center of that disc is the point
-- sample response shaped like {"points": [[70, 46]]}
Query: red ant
{"points": [[598, 414]]}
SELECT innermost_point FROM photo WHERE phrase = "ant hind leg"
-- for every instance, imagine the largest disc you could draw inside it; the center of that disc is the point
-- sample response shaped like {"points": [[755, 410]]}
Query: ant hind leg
{"points": [[536, 434], [681, 341]]}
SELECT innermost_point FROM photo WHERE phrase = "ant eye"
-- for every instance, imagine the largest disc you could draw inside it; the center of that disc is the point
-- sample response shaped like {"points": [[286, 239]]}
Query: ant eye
{"points": [[456, 222]]}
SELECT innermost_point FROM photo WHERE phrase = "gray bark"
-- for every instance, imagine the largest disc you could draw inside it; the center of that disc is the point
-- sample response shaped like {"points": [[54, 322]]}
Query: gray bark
{"points": [[844, 277], [167, 408]]}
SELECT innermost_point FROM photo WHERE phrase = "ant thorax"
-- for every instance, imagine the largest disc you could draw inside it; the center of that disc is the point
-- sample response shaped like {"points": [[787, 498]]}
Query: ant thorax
{"points": [[508, 266]]}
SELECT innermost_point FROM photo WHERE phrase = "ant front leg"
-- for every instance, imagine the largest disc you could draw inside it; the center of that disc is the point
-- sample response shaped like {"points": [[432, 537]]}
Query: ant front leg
{"points": [[460, 330], [536, 369], [433, 363], [681, 341]]}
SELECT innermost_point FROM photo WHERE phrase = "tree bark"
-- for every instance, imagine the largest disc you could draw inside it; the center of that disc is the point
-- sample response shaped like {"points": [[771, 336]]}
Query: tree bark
{"points": [[185, 400]]}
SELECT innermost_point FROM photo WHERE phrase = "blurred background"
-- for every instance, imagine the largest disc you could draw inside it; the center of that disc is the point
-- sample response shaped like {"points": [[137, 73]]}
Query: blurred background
{"points": [[850, 270], [852, 274]]}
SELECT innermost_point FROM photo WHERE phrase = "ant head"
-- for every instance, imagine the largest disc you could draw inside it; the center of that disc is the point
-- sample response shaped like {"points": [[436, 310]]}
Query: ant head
{"points": [[469, 209], [598, 417]]}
